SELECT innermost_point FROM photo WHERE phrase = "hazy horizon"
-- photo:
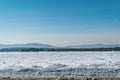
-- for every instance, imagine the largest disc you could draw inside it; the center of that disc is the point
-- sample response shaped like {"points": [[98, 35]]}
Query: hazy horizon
{"points": [[60, 22]]}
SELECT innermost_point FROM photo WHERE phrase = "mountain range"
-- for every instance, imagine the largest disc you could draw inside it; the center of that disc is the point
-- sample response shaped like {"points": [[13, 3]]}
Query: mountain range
{"points": [[38, 45], [28, 45], [95, 46]]}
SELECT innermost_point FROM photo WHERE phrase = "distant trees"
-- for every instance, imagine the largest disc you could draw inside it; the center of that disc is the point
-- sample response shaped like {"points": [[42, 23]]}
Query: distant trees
{"points": [[57, 49]]}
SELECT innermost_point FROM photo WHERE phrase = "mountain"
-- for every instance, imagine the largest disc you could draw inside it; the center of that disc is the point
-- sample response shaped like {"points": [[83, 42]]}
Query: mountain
{"points": [[28, 45], [94, 46], [38, 45]]}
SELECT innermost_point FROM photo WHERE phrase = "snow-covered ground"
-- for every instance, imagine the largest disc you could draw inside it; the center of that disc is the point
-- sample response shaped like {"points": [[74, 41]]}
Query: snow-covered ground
{"points": [[45, 59], [58, 60]]}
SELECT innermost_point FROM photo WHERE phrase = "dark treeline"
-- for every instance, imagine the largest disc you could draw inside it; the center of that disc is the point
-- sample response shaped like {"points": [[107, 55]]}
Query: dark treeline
{"points": [[57, 49]]}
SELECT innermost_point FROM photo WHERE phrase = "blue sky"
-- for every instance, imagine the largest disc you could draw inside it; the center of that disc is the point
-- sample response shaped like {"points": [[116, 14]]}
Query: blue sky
{"points": [[60, 22]]}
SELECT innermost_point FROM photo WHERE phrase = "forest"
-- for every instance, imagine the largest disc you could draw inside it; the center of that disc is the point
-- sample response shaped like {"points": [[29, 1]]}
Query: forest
{"points": [[57, 49]]}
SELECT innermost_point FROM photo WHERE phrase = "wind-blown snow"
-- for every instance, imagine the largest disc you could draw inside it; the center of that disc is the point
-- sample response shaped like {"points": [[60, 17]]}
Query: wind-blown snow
{"points": [[58, 61], [45, 59]]}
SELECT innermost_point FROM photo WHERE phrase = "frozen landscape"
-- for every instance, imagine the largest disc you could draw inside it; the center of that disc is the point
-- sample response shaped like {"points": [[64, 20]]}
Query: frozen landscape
{"points": [[60, 63]]}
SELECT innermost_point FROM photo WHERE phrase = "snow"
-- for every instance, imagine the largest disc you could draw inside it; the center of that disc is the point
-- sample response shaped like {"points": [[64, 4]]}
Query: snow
{"points": [[45, 59], [37, 61]]}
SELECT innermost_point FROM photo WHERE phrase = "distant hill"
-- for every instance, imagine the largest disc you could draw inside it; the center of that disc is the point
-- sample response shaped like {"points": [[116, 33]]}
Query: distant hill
{"points": [[38, 45], [94, 46], [28, 45], [33, 47]]}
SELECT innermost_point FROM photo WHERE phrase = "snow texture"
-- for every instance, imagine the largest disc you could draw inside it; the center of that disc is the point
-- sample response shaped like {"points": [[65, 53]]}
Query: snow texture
{"points": [[60, 63]]}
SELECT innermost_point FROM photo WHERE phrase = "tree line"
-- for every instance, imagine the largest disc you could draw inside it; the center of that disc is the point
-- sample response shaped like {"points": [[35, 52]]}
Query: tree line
{"points": [[57, 49]]}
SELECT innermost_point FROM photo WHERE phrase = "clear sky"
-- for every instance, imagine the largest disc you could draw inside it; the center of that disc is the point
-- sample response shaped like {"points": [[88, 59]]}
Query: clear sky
{"points": [[60, 22]]}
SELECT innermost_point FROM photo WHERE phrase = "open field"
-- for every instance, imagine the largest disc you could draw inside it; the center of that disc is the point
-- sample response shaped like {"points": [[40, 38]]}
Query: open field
{"points": [[60, 64]]}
